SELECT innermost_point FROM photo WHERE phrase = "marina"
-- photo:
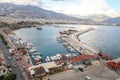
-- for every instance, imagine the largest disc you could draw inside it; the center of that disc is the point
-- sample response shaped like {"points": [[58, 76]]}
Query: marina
{"points": [[80, 55], [75, 43], [71, 43], [99, 38]]}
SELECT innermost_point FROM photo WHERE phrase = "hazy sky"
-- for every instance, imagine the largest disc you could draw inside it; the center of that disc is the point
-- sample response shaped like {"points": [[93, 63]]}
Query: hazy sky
{"points": [[75, 7]]}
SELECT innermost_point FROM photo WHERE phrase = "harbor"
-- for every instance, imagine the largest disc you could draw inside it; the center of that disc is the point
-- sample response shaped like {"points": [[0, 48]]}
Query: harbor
{"points": [[80, 56], [75, 43], [59, 40]]}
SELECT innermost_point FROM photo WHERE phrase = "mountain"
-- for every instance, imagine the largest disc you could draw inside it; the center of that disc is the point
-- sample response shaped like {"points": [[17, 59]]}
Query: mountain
{"points": [[97, 18], [115, 20], [28, 11]]}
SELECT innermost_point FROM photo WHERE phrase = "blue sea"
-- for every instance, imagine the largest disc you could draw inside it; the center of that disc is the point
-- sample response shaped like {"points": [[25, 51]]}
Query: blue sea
{"points": [[103, 38]]}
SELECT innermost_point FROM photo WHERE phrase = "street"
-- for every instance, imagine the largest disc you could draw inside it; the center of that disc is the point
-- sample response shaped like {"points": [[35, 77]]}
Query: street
{"points": [[11, 61]]}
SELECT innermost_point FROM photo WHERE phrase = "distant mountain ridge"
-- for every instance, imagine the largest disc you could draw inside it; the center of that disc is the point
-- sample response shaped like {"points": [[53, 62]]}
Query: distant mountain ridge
{"points": [[115, 20], [28, 11], [98, 18]]}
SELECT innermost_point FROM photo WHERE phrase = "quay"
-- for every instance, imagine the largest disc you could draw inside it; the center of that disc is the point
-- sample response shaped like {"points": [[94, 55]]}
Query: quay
{"points": [[73, 41]]}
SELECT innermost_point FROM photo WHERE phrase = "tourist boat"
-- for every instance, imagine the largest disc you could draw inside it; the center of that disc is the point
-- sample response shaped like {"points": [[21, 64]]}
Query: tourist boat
{"points": [[36, 55], [38, 60]]}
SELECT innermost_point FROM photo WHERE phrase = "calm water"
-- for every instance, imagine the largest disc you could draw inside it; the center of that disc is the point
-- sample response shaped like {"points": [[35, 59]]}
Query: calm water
{"points": [[103, 38]]}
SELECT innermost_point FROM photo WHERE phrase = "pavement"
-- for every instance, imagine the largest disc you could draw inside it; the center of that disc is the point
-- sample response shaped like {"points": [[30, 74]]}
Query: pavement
{"points": [[17, 69], [95, 72], [24, 65]]}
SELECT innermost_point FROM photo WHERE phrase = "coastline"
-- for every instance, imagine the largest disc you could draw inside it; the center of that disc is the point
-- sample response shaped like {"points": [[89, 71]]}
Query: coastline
{"points": [[23, 62]]}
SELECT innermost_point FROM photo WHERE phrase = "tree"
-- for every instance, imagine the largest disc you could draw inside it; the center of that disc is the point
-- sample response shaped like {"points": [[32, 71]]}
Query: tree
{"points": [[1, 77], [11, 76]]}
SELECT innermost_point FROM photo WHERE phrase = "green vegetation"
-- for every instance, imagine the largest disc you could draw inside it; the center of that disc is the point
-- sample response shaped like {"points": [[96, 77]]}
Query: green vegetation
{"points": [[1, 77], [3, 40], [56, 70], [11, 76], [41, 78], [2, 24]]}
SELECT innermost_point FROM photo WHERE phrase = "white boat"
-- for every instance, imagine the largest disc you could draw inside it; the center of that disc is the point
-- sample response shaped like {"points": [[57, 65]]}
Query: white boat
{"points": [[36, 55], [32, 50], [48, 58], [58, 56], [51, 58], [37, 60]]}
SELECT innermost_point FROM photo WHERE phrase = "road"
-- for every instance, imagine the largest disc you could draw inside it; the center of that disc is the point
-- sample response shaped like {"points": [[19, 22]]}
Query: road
{"points": [[11, 61]]}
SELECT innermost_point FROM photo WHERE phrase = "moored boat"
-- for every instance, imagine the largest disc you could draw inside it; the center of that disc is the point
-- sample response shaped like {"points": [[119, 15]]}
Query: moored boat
{"points": [[39, 28]]}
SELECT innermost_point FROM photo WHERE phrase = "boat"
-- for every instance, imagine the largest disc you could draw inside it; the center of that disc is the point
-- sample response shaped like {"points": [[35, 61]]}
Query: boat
{"points": [[39, 28], [32, 50], [38, 60], [48, 59]]}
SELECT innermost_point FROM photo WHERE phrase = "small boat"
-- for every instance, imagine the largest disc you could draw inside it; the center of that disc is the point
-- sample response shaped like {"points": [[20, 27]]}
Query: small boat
{"points": [[48, 59], [37, 60], [32, 50], [36, 55], [39, 28]]}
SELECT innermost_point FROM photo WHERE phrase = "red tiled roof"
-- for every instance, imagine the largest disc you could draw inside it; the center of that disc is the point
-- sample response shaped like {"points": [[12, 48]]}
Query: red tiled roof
{"points": [[105, 55], [82, 57], [113, 65], [1, 59]]}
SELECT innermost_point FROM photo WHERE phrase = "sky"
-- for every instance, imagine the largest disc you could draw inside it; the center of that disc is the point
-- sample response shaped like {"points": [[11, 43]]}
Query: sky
{"points": [[75, 7]]}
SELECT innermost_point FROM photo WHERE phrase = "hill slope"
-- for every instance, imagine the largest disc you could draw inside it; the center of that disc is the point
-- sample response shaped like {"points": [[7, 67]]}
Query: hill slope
{"points": [[28, 11]]}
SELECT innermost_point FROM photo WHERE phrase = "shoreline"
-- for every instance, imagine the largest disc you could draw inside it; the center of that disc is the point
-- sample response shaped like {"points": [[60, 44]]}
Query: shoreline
{"points": [[73, 36], [74, 42]]}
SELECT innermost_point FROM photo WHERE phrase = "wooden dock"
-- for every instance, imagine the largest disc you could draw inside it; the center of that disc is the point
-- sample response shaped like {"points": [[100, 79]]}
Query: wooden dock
{"points": [[76, 43]]}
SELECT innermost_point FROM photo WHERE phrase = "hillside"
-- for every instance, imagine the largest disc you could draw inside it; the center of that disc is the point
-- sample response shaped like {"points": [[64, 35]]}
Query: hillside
{"points": [[28, 11]]}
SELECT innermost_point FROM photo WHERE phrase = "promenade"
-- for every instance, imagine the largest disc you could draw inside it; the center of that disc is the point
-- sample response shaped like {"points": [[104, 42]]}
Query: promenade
{"points": [[11, 61], [76, 43]]}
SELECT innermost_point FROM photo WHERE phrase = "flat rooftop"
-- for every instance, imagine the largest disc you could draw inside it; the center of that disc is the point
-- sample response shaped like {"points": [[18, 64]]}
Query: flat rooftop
{"points": [[95, 72], [47, 65]]}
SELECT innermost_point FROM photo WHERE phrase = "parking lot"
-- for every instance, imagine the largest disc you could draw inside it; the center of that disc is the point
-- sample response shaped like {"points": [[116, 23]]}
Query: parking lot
{"points": [[95, 72]]}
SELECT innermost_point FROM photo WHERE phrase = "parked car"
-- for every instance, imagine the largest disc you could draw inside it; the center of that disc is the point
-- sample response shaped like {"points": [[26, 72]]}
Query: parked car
{"points": [[9, 58], [87, 78], [10, 69]]}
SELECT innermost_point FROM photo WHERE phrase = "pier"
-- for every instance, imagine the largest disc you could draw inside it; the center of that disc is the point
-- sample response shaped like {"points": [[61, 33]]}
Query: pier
{"points": [[73, 41]]}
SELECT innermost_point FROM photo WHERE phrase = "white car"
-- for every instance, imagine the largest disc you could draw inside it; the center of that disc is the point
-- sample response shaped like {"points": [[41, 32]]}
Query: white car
{"points": [[10, 69], [15, 65], [87, 78], [9, 58]]}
